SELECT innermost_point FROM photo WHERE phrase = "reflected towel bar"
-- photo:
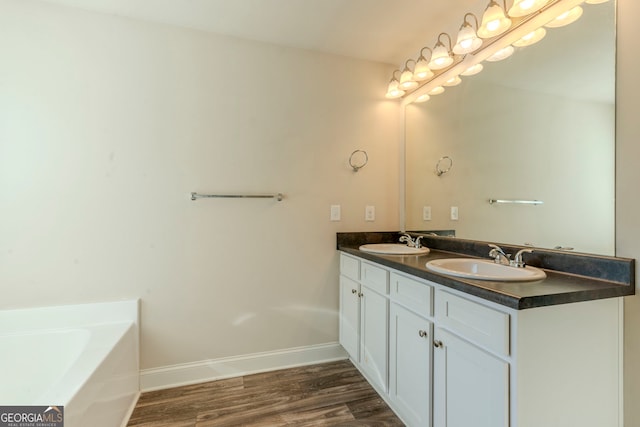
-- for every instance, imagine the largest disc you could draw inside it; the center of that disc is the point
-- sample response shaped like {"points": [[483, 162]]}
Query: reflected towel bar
{"points": [[278, 196], [518, 202]]}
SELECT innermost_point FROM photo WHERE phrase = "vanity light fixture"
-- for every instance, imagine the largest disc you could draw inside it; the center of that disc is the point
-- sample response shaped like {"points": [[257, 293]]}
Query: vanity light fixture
{"points": [[453, 81], [393, 90], [467, 40], [421, 71], [473, 70], [441, 56], [406, 78], [531, 38], [494, 20], [566, 18], [495, 25], [526, 7], [503, 53]]}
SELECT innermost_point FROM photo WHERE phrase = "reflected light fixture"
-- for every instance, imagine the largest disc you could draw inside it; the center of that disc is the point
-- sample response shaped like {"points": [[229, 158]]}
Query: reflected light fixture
{"points": [[473, 70], [596, 1], [393, 90], [406, 78], [566, 18], [494, 20], [423, 98], [436, 90], [421, 71], [441, 57], [531, 38], [526, 7], [467, 40], [503, 53], [453, 81]]}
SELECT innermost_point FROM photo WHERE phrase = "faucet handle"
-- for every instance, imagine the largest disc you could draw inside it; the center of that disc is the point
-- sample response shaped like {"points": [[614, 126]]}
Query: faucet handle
{"points": [[517, 260], [417, 242]]}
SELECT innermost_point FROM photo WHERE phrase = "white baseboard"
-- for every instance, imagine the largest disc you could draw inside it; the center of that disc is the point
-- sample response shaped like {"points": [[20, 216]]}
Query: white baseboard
{"points": [[228, 367]]}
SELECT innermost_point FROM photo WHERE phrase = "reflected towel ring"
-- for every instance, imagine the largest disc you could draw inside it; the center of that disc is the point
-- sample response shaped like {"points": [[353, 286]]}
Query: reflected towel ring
{"points": [[360, 160], [447, 162]]}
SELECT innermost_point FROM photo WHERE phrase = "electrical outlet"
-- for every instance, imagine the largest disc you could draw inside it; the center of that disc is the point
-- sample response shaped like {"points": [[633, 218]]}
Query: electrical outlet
{"points": [[454, 213], [426, 213], [370, 213], [335, 213]]}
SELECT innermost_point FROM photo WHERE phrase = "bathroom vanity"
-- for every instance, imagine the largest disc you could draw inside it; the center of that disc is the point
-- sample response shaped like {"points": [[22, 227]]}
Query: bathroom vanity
{"points": [[453, 352]]}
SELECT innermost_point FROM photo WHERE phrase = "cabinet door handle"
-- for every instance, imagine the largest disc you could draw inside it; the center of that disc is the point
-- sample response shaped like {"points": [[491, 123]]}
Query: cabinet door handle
{"points": [[423, 334], [438, 344], [354, 291], [360, 294]]}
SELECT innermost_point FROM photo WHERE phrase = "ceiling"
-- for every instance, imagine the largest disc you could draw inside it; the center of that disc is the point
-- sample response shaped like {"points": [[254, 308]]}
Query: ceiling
{"points": [[388, 31]]}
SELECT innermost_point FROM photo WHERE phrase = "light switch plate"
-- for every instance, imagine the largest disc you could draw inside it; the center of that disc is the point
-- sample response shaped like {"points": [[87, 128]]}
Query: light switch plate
{"points": [[335, 213], [426, 213], [454, 213], [370, 213]]}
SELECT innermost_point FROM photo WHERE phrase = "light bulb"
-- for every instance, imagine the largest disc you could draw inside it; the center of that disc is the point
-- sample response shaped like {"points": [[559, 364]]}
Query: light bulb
{"points": [[526, 7], [494, 21], [467, 40], [503, 53], [453, 81], [440, 57], [531, 38], [423, 98], [474, 69], [393, 91], [436, 90], [406, 79], [422, 71], [566, 18], [596, 1]]}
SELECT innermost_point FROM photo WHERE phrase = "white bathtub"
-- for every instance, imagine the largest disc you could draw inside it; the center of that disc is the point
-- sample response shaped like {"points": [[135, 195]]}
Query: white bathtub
{"points": [[82, 357]]}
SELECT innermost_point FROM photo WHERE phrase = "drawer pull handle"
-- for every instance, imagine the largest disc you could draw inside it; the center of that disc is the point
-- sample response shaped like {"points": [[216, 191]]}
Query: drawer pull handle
{"points": [[353, 291], [438, 344], [423, 334]]}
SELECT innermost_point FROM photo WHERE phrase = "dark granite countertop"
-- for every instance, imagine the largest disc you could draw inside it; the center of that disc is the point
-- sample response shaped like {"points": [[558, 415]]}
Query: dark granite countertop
{"points": [[582, 278]]}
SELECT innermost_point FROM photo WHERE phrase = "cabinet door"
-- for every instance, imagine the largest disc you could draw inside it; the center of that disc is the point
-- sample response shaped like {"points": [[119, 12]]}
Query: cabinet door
{"points": [[410, 365], [471, 387], [350, 317], [374, 335]]}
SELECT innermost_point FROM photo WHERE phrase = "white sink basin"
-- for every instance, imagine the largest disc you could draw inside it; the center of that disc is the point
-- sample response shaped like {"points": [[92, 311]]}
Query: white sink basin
{"points": [[479, 269], [393, 249]]}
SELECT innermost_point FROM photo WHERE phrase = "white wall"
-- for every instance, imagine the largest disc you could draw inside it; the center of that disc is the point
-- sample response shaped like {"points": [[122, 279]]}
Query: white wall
{"points": [[627, 182], [106, 126]]}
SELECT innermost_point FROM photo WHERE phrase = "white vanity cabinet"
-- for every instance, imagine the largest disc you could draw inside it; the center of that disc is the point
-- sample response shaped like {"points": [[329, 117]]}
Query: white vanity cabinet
{"points": [[471, 367], [444, 358]]}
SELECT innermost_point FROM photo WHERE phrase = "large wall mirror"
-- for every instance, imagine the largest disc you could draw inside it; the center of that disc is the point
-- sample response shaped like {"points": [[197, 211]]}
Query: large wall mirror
{"points": [[538, 126]]}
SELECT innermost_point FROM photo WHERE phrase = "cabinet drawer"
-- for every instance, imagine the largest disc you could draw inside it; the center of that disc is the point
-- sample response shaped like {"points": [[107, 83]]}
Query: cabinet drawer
{"points": [[376, 278], [479, 324], [350, 267], [411, 293]]}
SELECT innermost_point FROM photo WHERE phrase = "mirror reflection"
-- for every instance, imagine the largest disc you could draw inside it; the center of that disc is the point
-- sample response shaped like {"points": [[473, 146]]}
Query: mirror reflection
{"points": [[538, 126]]}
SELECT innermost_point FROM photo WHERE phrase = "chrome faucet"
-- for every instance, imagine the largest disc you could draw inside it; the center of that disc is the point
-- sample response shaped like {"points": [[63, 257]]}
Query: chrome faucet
{"points": [[498, 255], [410, 242], [517, 260]]}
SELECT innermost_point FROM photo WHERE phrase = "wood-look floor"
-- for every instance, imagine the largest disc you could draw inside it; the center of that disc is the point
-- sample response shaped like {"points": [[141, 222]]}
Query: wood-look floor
{"points": [[330, 394]]}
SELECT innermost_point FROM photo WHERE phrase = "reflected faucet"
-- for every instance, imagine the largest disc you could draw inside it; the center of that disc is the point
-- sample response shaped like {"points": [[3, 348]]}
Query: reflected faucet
{"points": [[498, 255], [405, 238]]}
